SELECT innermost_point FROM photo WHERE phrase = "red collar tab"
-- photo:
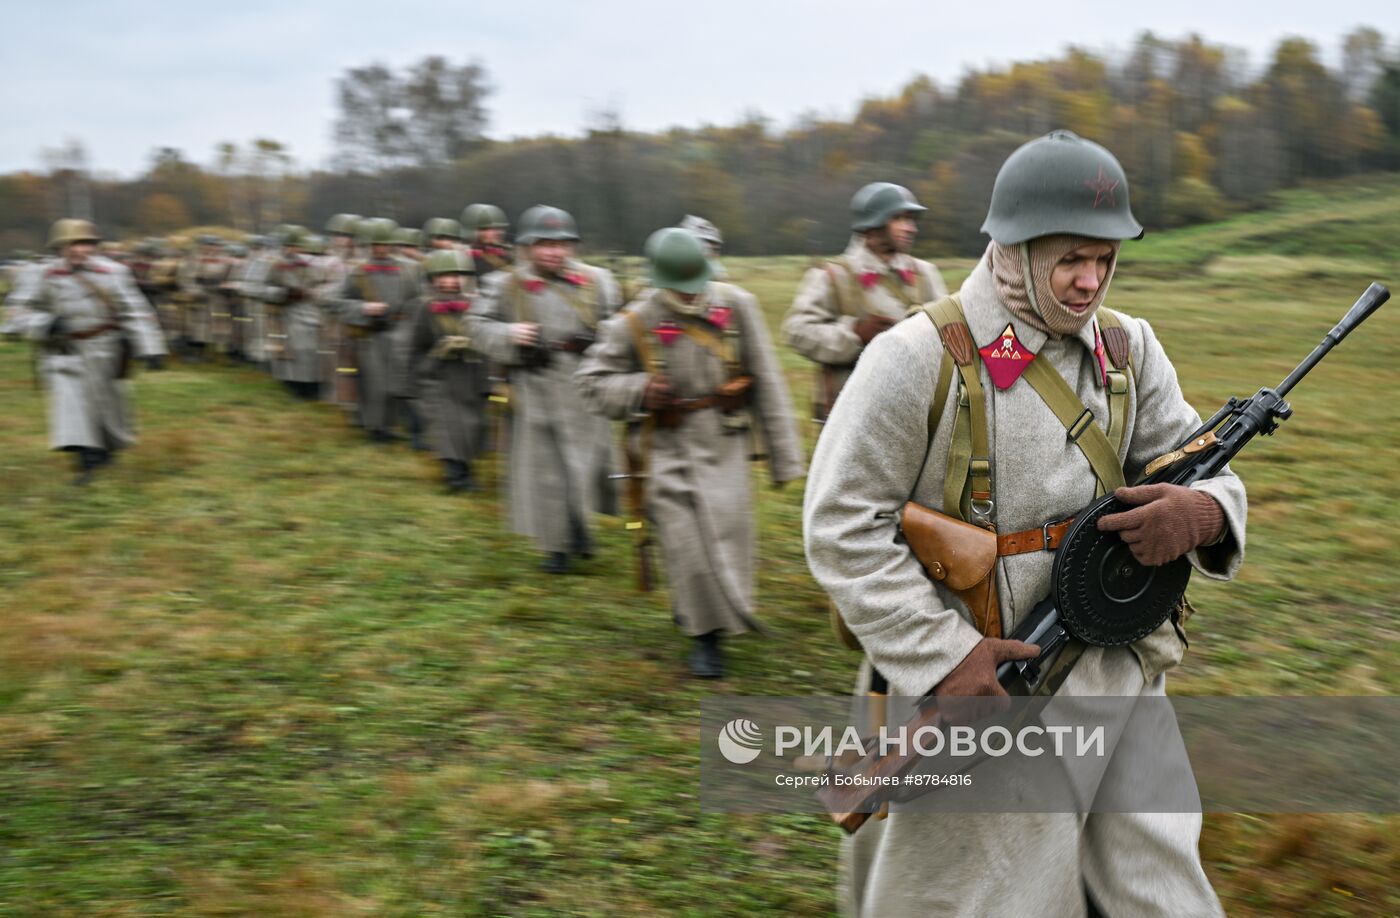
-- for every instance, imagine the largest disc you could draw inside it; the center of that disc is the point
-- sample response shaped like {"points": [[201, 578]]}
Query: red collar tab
{"points": [[906, 275], [576, 278], [667, 332], [719, 316], [869, 279], [370, 267], [58, 272], [1006, 358], [441, 307], [533, 284], [1103, 358]]}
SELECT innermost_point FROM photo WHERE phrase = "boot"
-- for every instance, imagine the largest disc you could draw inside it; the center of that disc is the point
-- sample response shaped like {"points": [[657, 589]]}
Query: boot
{"points": [[707, 660], [556, 562], [88, 461], [578, 540]]}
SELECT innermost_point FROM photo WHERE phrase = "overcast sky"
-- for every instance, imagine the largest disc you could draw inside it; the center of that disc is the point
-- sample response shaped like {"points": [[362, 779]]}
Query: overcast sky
{"points": [[126, 77]]}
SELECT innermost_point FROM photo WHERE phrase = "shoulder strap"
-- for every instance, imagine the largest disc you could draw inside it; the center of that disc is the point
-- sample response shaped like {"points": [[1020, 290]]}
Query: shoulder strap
{"points": [[1079, 424], [967, 484], [849, 298], [1115, 344], [515, 296], [97, 291], [645, 355]]}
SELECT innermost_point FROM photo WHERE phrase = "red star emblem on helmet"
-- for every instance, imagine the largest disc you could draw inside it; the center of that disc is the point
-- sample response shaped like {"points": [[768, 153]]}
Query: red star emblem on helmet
{"points": [[1103, 188]]}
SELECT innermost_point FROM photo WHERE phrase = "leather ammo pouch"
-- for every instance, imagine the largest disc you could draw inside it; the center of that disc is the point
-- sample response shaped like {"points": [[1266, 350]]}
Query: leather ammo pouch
{"points": [[958, 555]]}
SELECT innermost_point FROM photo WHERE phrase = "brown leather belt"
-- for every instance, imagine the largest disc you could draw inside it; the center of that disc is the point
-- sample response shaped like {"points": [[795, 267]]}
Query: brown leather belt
{"points": [[1045, 538], [92, 332]]}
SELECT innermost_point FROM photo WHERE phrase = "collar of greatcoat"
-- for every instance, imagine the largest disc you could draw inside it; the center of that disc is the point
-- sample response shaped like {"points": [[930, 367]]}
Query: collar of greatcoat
{"points": [[864, 261], [571, 266], [987, 316]]}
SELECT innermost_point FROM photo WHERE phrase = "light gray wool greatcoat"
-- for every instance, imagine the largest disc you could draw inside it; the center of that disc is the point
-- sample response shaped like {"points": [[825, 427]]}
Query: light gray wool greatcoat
{"points": [[88, 405], [453, 387], [698, 488], [876, 453], [381, 354], [289, 295], [561, 453], [821, 326]]}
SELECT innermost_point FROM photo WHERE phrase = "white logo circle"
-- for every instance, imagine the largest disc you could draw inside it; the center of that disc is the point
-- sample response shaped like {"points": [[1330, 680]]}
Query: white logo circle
{"points": [[740, 741]]}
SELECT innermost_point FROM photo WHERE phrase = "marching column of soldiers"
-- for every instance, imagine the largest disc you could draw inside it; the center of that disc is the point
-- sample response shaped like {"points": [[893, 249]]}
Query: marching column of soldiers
{"points": [[417, 346]]}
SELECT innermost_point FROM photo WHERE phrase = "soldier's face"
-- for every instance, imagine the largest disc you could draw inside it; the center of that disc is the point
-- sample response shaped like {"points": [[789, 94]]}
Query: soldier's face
{"points": [[75, 253], [490, 236], [550, 254], [1077, 277], [447, 283], [902, 233], [379, 251]]}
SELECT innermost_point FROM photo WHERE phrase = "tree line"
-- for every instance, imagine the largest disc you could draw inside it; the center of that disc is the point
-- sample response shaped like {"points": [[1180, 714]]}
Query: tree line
{"points": [[1200, 131]]}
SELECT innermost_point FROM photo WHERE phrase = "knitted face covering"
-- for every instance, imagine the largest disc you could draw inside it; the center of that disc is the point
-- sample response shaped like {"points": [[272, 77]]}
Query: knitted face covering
{"points": [[1022, 276]]}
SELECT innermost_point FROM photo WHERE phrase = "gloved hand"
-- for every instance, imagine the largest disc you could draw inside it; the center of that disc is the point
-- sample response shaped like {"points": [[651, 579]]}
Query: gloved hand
{"points": [[57, 328], [1168, 521], [867, 327], [657, 394], [976, 678], [455, 344], [155, 362], [580, 342]]}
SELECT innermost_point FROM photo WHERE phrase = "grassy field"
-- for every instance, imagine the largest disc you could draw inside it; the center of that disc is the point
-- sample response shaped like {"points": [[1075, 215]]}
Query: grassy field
{"points": [[265, 668]]}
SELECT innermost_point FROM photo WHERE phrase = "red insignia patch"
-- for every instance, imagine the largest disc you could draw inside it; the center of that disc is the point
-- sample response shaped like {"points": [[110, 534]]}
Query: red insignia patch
{"points": [[371, 268], [719, 316], [1103, 358], [532, 285], [442, 307], [578, 280], [869, 279], [667, 333], [906, 275], [1006, 358]]}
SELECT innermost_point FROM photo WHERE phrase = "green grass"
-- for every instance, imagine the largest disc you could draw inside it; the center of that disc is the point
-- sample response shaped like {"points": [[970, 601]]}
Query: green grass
{"points": [[263, 667]]}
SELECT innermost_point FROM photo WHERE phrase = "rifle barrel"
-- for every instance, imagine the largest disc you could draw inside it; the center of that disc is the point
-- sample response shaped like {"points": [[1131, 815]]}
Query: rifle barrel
{"points": [[1369, 302]]}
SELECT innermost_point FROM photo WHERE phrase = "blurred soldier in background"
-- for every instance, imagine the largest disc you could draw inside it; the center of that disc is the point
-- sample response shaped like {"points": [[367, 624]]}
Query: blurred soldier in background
{"points": [[693, 358], [203, 274], [709, 234], [486, 225], [538, 319], [451, 374], [409, 244], [338, 384], [289, 293], [256, 268], [845, 303], [372, 302], [443, 233], [237, 255], [90, 319], [164, 283]]}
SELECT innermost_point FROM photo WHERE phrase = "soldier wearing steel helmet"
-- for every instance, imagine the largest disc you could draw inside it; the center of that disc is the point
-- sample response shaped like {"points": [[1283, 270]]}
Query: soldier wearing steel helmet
{"points": [[289, 297], [451, 373], [690, 362], [338, 368], [372, 302], [89, 319], [486, 226], [1059, 214], [203, 274], [842, 305], [538, 319]]}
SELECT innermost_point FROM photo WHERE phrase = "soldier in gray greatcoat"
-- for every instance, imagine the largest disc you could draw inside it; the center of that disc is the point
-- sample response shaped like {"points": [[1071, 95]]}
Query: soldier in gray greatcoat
{"points": [[373, 303], [289, 298], [89, 319], [451, 374], [538, 319], [691, 362], [842, 305], [1035, 298]]}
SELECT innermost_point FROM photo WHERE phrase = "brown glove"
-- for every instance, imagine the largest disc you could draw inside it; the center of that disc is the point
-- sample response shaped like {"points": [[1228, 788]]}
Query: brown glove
{"points": [[971, 691], [657, 394], [868, 327], [1169, 520]]}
